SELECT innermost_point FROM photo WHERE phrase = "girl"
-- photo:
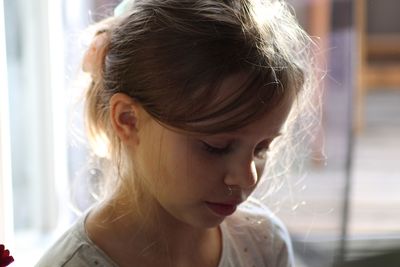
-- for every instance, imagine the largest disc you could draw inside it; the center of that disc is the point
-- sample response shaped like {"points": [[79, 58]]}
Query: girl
{"points": [[187, 96]]}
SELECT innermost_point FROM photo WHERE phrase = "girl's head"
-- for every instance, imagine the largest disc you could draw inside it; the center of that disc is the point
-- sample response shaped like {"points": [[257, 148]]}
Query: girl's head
{"points": [[172, 58]]}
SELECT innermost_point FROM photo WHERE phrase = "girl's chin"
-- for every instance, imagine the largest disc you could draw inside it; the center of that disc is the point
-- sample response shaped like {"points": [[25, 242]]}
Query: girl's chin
{"points": [[204, 218], [210, 220]]}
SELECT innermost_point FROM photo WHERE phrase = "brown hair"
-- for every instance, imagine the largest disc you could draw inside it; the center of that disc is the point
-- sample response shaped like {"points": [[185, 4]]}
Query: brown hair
{"points": [[172, 55]]}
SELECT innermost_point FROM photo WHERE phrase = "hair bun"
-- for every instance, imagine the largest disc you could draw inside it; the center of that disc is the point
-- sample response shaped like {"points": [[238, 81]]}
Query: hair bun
{"points": [[94, 56]]}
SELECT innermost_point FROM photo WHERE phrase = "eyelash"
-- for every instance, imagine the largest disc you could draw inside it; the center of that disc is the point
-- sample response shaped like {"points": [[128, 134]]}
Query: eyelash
{"points": [[258, 153], [216, 150]]}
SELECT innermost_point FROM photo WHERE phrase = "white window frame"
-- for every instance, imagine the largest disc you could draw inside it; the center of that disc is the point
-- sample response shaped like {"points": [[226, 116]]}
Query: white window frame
{"points": [[6, 210], [44, 69]]}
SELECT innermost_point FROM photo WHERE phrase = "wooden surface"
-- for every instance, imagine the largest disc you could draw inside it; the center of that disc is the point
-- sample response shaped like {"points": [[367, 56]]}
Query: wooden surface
{"points": [[374, 226], [378, 63]]}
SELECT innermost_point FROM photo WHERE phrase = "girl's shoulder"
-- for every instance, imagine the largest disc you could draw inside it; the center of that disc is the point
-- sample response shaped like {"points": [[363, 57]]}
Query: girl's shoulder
{"points": [[75, 249], [254, 236]]}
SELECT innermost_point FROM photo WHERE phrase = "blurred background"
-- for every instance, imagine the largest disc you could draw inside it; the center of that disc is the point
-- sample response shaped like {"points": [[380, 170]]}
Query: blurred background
{"points": [[342, 210]]}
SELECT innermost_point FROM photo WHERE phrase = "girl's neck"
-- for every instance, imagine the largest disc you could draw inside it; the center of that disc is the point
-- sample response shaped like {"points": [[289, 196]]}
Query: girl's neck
{"points": [[151, 237]]}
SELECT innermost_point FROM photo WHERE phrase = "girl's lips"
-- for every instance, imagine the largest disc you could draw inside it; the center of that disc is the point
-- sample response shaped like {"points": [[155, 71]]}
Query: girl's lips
{"points": [[221, 209]]}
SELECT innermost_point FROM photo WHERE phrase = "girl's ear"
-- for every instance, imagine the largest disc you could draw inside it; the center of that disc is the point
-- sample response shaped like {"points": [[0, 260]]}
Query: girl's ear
{"points": [[124, 115]]}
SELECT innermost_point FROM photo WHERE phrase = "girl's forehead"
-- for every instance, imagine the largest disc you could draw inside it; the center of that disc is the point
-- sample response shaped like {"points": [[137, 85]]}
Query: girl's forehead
{"points": [[234, 87], [267, 126], [230, 86]]}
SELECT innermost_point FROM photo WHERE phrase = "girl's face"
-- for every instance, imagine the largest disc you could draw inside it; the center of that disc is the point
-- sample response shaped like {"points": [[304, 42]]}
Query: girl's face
{"points": [[198, 179]]}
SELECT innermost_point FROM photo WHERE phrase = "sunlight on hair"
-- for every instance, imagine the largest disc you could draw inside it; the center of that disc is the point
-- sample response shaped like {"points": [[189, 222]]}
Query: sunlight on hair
{"points": [[263, 13], [100, 145]]}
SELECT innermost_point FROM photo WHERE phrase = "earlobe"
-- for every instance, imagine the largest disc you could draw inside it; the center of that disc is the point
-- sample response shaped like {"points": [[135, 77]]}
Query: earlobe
{"points": [[124, 112]]}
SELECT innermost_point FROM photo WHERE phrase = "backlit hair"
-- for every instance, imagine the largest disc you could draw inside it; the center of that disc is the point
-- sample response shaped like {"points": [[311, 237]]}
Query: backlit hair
{"points": [[171, 56]]}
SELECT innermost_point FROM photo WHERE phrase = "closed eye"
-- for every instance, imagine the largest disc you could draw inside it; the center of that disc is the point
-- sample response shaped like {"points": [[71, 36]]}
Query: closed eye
{"points": [[216, 150]]}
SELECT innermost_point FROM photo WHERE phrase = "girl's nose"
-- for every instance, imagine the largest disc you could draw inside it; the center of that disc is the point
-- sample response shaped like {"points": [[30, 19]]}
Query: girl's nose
{"points": [[243, 175]]}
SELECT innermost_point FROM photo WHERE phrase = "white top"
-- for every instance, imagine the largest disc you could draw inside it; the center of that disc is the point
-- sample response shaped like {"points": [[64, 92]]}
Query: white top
{"points": [[252, 237]]}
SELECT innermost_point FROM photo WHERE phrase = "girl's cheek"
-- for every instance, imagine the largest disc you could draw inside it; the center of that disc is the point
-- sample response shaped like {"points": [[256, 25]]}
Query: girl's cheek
{"points": [[202, 160], [200, 150]]}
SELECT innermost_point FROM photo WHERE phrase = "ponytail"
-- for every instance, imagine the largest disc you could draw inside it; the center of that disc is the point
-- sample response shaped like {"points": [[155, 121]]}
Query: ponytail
{"points": [[96, 108]]}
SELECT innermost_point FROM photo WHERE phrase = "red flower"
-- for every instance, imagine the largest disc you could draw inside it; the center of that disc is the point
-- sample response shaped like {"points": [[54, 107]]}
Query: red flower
{"points": [[5, 258]]}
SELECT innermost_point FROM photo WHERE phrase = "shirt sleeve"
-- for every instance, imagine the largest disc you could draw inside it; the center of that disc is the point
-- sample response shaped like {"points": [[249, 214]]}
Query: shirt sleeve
{"points": [[75, 249], [285, 255]]}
